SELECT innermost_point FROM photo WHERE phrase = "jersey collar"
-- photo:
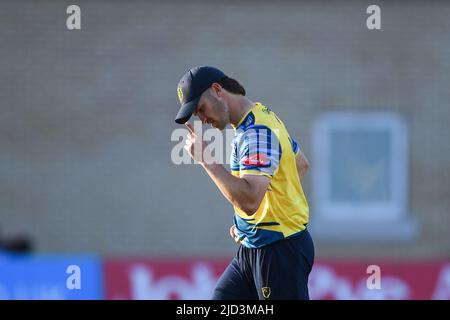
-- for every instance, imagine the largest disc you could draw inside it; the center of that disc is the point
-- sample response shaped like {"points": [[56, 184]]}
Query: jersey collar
{"points": [[245, 116]]}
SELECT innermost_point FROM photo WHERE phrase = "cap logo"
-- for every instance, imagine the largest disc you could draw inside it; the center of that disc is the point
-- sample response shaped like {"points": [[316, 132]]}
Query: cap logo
{"points": [[180, 94]]}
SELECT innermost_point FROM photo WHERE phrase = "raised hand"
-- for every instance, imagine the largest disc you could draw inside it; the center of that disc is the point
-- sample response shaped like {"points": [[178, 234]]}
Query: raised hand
{"points": [[196, 147]]}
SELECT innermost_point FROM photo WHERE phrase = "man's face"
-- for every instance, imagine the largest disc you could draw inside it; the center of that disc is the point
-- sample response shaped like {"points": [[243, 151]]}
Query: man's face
{"points": [[212, 110]]}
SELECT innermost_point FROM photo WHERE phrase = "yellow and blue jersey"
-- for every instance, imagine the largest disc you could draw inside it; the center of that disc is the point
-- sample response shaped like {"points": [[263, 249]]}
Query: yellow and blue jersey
{"points": [[263, 146]]}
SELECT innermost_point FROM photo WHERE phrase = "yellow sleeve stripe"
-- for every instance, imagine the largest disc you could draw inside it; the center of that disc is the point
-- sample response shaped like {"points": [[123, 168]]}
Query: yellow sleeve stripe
{"points": [[254, 173]]}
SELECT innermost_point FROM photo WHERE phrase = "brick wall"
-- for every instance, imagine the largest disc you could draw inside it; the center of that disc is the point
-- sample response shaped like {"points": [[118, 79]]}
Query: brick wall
{"points": [[86, 116]]}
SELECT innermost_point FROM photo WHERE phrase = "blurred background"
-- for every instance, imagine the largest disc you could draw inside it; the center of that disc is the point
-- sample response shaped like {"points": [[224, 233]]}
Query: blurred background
{"points": [[86, 124]]}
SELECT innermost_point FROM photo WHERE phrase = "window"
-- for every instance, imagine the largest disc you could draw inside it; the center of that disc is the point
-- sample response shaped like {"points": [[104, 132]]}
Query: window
{"points": [[360, 177]]}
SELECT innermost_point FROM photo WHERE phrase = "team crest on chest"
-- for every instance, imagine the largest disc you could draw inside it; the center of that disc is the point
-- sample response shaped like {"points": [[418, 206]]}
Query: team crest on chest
{"points": [[266, 292]]}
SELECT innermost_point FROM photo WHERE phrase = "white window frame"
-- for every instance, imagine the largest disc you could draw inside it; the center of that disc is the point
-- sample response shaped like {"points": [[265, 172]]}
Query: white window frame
{"points": [[345, 220]]}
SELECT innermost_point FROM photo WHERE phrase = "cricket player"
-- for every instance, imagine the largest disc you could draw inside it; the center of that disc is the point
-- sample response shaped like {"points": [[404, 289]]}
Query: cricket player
{"points": [[271, 213]]}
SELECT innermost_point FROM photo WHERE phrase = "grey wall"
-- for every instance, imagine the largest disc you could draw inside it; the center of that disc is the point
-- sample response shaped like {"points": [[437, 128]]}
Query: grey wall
{"points": [[86, 116]]}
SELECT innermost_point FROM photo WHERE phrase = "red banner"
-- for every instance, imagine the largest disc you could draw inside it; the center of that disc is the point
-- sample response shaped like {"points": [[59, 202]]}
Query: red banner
{"points": [[398, 281], [192, 279], [157, 279]]}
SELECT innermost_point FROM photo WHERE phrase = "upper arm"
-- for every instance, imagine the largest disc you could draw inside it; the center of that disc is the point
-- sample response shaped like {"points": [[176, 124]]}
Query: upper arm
{"points": [[302, 164], [259, 156], [301, 159]]}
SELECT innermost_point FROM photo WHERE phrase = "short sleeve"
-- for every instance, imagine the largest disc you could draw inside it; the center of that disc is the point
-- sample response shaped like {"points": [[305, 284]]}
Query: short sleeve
{"points": [[259, 152], [294, 145]]}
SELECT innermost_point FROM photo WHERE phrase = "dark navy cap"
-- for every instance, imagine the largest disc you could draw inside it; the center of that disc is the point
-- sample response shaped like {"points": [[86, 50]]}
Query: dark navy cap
{"points": [[191, 87]]}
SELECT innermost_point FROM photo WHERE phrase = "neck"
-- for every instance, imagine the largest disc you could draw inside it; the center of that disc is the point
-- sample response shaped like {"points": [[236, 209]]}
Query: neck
{"points": [[239, 106]]}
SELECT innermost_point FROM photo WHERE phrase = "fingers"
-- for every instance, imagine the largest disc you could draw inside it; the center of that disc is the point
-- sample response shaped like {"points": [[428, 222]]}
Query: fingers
{"points": [[191, 135], [233, 233], [194, 144], [190, 127], [190, 140]]}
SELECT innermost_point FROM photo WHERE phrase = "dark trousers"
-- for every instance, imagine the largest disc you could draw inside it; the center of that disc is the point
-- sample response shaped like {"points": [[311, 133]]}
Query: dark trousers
{"points": [[278, 271]]}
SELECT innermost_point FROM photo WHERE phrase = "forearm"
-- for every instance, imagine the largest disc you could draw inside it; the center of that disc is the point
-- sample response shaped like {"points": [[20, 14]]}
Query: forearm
{"points": [[236, 190], [245, 193]]}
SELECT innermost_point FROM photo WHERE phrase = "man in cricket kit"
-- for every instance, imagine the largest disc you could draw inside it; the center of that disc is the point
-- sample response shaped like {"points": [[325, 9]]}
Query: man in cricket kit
{"points": [[276, 252]]}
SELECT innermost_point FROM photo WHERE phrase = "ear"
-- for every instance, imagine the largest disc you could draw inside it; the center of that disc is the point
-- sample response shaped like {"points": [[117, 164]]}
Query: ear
{"points": [[217, 89]]}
